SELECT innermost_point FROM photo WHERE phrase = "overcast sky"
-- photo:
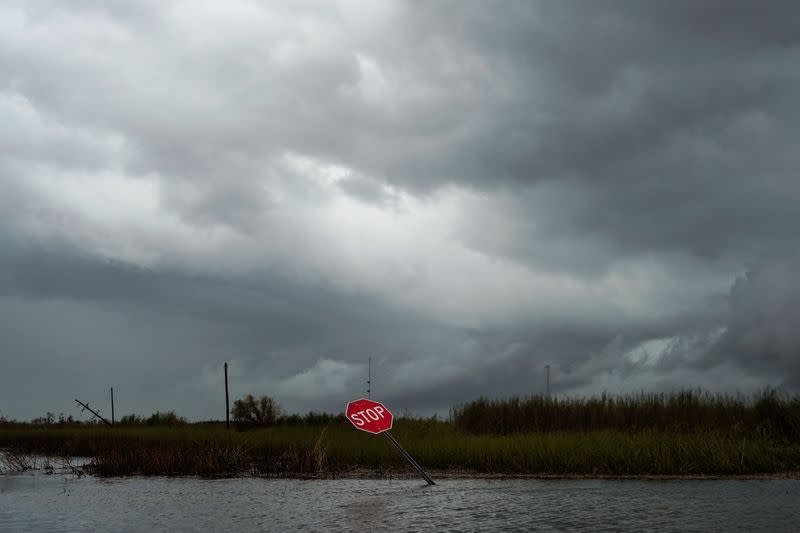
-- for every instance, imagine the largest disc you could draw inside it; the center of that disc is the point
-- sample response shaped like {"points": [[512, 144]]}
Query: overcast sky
{"points": [[464, 191]]}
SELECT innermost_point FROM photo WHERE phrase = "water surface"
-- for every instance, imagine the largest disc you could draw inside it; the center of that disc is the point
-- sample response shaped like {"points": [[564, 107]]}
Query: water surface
{"points": [[37, 502]]}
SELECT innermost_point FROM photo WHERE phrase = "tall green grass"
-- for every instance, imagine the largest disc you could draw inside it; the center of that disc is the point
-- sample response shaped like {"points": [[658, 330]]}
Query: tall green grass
{"points": [[681, 411], [687, 433], [337, 449]]}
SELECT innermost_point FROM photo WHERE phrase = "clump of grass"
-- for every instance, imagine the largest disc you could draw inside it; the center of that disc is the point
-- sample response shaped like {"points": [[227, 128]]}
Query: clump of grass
{"points": [[209, 458], [319, 453], [16, 461], [780, 414]]}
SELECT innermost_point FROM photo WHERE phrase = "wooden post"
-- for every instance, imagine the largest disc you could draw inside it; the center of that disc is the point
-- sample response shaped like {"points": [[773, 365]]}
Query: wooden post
{"points": [[112, 406], [227, 406]]}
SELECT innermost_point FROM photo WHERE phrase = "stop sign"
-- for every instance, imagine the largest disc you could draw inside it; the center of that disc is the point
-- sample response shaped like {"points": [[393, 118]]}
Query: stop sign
{"points": [[369, 416]]}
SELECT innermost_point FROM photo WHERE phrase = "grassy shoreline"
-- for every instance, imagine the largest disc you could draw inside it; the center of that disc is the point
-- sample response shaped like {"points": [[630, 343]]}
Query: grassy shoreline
{"points": [[50, 465], [338, 450], [683, 434]]}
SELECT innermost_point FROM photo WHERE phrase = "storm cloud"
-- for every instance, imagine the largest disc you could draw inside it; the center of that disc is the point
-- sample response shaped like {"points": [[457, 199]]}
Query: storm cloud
{"points": [[465, 192]]}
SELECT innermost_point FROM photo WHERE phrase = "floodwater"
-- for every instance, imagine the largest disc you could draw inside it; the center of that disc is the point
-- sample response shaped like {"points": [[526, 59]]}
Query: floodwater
{"points": [[39, 502]]}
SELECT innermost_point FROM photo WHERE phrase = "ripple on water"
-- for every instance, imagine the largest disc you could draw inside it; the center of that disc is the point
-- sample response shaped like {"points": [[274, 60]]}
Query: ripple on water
{"points": [[58, 503]]}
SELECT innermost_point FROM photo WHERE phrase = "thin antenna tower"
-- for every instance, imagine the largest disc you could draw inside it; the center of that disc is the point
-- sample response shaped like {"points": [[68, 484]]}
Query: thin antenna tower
{"points": [[547, 382], [369, 378], [227, 405]]}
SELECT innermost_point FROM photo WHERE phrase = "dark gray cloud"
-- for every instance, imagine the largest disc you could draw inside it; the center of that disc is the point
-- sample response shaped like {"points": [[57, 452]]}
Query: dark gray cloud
{"points": [[465, 192], [108, 321], [662, 128], [760, 334]]}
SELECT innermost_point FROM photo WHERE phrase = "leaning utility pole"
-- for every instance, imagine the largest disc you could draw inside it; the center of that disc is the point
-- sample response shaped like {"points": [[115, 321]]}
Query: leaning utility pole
{"points": [[112, 406], [95, 413]]}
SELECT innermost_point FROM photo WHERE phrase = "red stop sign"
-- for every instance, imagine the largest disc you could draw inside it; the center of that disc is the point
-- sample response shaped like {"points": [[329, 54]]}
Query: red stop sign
{"points": [[369, 416]]}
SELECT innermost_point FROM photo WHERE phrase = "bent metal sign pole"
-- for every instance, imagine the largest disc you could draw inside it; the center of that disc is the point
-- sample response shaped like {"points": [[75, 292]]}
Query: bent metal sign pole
{"points": [[374, 417]]}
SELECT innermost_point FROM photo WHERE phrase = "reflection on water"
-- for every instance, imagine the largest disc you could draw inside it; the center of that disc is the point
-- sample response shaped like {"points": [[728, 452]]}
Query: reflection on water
{"points": [[63, 503]]}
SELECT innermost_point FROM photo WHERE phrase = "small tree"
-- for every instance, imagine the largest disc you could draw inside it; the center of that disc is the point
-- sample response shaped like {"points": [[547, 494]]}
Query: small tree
{"points": [[262, 412]]}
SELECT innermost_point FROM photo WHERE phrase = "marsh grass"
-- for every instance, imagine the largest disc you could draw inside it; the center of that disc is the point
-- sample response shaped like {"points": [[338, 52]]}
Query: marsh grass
{"points": [[15, 461], [330, 451], [686, 434], [681, 411]]}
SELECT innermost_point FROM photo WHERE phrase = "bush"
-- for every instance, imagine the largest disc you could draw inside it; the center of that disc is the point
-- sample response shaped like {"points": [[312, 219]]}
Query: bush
{"points": [[251, 412], [168, 418], [130, 420]]}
